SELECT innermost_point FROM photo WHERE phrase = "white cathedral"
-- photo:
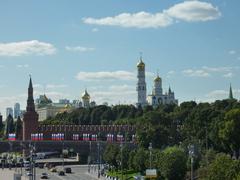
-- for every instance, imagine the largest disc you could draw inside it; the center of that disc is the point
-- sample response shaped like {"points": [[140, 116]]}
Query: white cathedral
{"points": [[156, 97]]}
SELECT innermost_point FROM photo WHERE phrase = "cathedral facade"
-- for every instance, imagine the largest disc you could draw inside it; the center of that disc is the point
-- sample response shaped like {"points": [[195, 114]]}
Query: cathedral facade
{"points": [[157, 96]]}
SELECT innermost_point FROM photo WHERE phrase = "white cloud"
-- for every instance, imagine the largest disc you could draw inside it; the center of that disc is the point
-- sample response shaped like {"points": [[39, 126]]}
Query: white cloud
{"points": [[217, 93], [218, 69], [22, 66], [54, 86], [149, 74], [190, 11], [232, 52], [222, 94], [228, 75], [115, 94], [37, 86], [138, 20], [95, 30], [79, 49], [195, 73], [121, 88], [106, 75], [205, 71], [23, 48], [170, 73], [194, 11]]}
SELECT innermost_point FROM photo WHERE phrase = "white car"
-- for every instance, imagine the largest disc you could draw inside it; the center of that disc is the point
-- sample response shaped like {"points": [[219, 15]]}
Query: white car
{"points": [[26, 163], [29, 174]]}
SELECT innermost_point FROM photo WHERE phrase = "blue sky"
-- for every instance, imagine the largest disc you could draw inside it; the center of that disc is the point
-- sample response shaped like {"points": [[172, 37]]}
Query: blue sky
{"points": [[68, 46]]}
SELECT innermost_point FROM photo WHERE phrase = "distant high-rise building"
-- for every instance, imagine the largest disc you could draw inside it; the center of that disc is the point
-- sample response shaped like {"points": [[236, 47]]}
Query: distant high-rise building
{"points": [[9, 110], [17, 111]]}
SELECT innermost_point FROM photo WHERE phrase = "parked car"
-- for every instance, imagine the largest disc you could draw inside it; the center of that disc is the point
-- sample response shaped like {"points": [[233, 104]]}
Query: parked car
{"points": [[67, 170], [61, 173], [40, 165], [29, 174], [44, 176]]}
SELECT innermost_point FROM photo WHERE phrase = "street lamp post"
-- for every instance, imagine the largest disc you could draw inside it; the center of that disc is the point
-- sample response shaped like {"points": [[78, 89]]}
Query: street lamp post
{"points": [[90, 156], [63, 153], [121, 145], [32, 164], [191, 154], [98, 145], [150, 151]]}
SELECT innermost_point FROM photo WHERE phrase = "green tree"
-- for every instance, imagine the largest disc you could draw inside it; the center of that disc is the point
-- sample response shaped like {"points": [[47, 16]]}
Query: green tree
{"points": [[18, 127], [1, 123], [9, 126], [223, 168], [139, 160], [172, 163], [110, 154], [154, 127], [124, 156], [230, 130], [1, 127]]}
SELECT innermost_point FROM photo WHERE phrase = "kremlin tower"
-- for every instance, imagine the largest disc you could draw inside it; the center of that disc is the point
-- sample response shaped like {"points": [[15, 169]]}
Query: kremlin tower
{"points": [[30, 117]]}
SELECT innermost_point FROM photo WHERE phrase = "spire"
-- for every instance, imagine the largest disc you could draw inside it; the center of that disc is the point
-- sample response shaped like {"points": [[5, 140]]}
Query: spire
{"points": [[230, 92], [30, 82], [30, 101], [169, 90], [140, 53]]}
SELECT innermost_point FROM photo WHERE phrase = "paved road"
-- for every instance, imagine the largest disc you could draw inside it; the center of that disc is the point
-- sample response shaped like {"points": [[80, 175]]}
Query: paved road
{"points": [[78, 173]]}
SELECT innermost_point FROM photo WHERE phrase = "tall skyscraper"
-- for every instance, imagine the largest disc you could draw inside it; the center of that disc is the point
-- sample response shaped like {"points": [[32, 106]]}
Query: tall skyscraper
{"points": [[30, 117], [17, 111], [9, 110]]}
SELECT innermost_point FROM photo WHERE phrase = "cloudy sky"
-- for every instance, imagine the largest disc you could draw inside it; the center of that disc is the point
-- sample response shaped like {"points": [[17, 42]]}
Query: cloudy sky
{"points": [[68, 46]]}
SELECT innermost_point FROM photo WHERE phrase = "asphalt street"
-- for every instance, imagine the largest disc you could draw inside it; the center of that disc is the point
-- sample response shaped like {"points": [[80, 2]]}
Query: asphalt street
{"points": [[78, 173]]}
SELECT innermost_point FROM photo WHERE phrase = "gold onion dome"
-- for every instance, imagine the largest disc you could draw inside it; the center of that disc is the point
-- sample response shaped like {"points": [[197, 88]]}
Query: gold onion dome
{"points": [[85, 95], [157, 79], [45, 97], [67, 106], [141, 64]]}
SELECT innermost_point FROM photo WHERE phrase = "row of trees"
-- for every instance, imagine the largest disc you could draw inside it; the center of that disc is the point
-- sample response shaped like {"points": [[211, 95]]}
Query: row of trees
{"points": [[173, 163], [171, 129], [97, 115], [10, 126], [208, 125]]}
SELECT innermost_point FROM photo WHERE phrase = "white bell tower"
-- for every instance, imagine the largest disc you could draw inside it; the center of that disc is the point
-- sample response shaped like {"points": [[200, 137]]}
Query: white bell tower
{"points": [[141, 84]]}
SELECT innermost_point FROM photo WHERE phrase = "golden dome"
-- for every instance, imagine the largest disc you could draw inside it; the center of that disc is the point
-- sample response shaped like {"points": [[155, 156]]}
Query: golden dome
{"points": [[85, 95], [157, 79], [67, 106], [141, 64]]}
